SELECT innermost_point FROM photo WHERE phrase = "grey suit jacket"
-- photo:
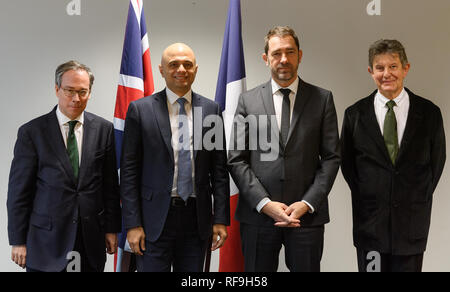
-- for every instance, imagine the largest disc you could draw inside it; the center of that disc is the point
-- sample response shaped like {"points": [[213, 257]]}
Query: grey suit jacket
{"points": [[304, 169]]}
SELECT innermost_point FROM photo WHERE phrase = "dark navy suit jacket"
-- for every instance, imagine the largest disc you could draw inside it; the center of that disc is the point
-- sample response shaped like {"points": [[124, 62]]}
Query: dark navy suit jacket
{"points": [[45, 201], [147, 168]]}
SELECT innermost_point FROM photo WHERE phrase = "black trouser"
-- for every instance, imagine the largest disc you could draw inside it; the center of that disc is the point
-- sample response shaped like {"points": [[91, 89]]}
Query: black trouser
{"points": [[179, 245], [388, 263], [261, 247]]}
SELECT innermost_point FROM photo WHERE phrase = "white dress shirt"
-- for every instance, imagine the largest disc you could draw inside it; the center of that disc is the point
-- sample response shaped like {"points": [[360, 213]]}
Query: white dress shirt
{"points": [[174, 108], [63, 121], [278, 104], [401, 111]]}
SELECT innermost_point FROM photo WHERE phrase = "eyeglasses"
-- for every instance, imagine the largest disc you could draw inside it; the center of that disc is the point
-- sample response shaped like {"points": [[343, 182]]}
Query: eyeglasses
{"points": [[71, 93]]}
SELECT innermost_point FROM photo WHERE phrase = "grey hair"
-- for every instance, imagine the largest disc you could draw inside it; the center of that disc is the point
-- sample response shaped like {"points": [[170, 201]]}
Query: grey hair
{"points": [[383, 46], [72, 65]]}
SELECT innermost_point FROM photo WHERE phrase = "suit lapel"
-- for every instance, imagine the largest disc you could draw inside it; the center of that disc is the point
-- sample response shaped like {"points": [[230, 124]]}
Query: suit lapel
{"points": [[161, 113], [369, 120], [56, 142], [301, 99], [89, 135], [267, 97], [414, 119]]}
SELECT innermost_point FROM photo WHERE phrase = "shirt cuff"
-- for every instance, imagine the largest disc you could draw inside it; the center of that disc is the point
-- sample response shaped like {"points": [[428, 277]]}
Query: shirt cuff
{"points": [[310, 206], [262, 203]]}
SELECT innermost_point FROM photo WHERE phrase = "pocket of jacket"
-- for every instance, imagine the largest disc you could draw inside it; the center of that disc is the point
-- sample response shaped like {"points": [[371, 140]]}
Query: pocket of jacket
{"points": [[41, 221]]}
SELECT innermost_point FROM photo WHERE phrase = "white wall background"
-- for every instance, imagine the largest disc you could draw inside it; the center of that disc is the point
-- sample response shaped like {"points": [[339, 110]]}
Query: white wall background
{"points": [[36, 36]]}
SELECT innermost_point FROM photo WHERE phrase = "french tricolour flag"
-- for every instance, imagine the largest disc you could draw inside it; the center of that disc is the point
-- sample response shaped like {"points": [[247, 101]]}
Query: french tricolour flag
{"points": [[231, 84], [135, 82]]}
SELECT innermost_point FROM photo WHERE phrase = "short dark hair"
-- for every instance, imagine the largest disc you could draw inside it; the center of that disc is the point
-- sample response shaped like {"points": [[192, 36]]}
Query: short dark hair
{"points": [[72, 65], [383, 46], [281, 31]]}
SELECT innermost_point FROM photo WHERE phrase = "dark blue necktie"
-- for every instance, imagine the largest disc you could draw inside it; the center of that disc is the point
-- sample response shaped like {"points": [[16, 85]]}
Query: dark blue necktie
{"points": [[184, 182]]}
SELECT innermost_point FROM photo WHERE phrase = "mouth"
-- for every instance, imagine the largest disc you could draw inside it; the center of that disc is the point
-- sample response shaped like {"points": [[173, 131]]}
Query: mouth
{"points": [[284, 69]]}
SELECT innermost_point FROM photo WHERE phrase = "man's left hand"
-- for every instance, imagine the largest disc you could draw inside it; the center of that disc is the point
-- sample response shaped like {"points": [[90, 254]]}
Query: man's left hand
{"points": [[295, 211], [111, 243], [219, 236]]}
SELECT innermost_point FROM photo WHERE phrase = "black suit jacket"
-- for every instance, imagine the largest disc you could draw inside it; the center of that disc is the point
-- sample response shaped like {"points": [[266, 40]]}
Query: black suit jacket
{"points": [[147, 168], [46, 203], [392, 204], [304, 169]]}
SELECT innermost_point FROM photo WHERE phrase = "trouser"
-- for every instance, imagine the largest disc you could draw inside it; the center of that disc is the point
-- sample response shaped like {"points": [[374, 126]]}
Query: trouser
{"points": [[179, 246], [261, 247]]}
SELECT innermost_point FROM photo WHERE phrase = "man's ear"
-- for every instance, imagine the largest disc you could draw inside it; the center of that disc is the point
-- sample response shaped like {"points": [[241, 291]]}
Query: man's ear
{"points": [[266, 59], [300, 56]]}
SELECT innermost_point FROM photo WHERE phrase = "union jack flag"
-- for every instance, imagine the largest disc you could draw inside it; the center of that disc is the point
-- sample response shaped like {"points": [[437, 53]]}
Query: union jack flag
{"points": [[135, 82]]}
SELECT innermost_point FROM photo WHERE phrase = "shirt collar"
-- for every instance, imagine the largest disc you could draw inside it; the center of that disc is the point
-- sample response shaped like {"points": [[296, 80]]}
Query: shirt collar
{"points": [[63, 119], [293, 87], [382, 100], [173, 97]]}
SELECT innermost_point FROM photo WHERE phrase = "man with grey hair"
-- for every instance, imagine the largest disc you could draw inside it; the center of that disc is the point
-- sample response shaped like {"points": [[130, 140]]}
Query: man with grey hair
{"points": [[393, 154], [63, 196]]}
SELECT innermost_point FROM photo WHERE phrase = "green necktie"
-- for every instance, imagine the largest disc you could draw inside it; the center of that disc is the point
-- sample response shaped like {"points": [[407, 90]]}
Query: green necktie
{"points": [[390, 131], [72, 148]]}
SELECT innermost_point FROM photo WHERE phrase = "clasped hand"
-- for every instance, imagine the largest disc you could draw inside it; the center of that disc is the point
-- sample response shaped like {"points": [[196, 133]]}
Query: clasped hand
{"points": [[285, 216]]}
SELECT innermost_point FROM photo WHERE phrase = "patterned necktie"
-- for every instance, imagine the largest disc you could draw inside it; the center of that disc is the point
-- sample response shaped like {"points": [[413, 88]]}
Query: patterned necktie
{"points": [[184, 182], [72, 148], [285, 115], [390, 131]]}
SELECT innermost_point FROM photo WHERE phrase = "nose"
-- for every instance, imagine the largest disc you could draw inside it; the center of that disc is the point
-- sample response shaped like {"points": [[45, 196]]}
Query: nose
{"points": [[76, 97], [181, 69], [387, 72], [284, 59]]}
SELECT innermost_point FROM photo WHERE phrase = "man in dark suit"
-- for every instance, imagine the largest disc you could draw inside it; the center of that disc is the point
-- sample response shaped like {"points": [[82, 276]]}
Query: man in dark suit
{"points": [[393, 154], [283, 201], [174, 190], [63, 191]]}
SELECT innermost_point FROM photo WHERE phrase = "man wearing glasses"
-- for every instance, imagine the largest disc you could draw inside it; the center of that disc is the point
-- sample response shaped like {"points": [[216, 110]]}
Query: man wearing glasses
{"points": [[63, 198]]}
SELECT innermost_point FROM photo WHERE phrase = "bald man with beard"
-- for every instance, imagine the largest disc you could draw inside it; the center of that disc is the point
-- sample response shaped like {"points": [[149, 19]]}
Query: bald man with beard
{"points": [[175, 196]]}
